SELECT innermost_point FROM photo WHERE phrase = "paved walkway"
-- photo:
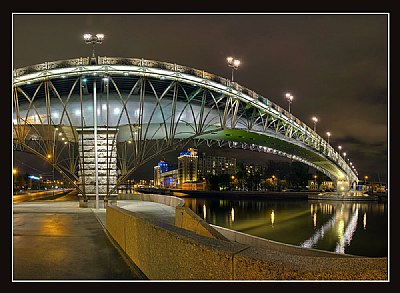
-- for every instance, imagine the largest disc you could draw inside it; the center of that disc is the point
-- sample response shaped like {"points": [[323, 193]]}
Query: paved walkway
{"points": [[58, 240]]}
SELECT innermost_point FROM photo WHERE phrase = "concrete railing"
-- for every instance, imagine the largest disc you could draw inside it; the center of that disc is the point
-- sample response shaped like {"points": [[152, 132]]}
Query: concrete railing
{"points": [[172, 201], [169, 252], [187, 219], [263, 243]]}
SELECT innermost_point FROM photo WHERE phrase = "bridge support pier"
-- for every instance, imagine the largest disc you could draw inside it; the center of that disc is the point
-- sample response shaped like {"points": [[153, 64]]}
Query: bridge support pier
{"points": [[342, 185], [98, 166]]}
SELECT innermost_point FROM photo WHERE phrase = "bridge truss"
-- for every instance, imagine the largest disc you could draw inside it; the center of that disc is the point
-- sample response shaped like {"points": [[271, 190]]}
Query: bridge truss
{"points": [[147, 108]]}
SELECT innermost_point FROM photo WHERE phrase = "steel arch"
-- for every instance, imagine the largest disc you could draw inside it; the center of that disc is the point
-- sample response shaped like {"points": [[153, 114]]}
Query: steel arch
{"points": [[161, 106]]}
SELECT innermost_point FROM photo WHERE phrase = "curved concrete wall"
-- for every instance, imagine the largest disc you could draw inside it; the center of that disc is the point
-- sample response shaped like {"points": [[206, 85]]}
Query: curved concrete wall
{"points": [[172, 201], [187, 219], [168, 252]]}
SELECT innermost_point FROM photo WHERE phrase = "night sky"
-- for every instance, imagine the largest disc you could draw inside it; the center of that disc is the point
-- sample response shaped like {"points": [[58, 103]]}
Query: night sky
{"points": [[335, 65]]}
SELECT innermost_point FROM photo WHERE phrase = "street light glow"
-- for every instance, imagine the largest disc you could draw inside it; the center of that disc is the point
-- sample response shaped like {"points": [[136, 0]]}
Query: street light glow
{"points": [[233, 63], [87, 37], [90, 39], [315, 119], [289, 98], [100, 37]]}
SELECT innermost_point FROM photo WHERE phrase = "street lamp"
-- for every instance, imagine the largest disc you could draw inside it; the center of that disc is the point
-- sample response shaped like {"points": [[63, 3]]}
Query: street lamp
{"points": [[289, 98], [233, 63], [14, 175], [273, 181], [315, 181], [329, 135], [52, 156], [340, 148], [315, 120], [90, 39]]}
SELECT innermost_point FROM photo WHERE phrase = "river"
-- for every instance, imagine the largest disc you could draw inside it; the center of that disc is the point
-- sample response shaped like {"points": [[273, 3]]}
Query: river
{"points": [[356, 228]]}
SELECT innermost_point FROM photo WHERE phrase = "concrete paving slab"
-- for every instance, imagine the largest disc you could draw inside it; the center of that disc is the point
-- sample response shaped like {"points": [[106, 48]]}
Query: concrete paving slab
{"points": [[57, 240]]}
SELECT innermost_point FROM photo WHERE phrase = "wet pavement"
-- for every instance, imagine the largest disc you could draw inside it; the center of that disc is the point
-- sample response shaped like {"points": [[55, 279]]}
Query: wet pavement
{"points": [[58, 240]]}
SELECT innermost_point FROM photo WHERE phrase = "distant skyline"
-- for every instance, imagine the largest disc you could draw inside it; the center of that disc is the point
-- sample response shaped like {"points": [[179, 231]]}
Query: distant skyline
{"points": [[29, 163], [335, 65]]}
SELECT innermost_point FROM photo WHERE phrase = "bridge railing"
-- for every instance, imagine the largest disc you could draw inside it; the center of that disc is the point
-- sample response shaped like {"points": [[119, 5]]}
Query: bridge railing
{"points": [[51, 65]]}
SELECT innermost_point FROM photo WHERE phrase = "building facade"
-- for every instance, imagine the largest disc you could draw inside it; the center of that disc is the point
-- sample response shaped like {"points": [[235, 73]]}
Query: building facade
{"points": [[161, 168], [212, 165], [169, 179], [187, 166], [191, 171]]}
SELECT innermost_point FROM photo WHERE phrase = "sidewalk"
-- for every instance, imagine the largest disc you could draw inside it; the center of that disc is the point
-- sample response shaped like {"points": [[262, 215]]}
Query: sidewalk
{"points": [[58, 240]]}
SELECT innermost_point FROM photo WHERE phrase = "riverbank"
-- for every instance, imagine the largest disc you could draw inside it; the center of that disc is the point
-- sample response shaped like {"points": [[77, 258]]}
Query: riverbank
{"points": [[343, 196], [273, 195], [243, 194]]}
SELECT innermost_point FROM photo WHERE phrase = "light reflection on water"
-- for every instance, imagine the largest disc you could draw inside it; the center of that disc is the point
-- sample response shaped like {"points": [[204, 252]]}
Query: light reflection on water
{"points": [[333, 226]]}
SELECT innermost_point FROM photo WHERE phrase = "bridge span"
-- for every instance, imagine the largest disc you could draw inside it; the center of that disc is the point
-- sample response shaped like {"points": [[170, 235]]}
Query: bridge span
{"points": [[145, 108]]}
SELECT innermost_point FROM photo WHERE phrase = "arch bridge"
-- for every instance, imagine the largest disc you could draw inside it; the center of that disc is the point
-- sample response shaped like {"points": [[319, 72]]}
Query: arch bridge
{"points": [[145, 108]]}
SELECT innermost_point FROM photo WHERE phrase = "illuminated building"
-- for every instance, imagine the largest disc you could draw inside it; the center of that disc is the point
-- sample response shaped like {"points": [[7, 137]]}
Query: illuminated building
{"points": [[169, 179], [325, 185], [157, 176], [164, 167], [211, 165], [187, 166], [161, 168]]}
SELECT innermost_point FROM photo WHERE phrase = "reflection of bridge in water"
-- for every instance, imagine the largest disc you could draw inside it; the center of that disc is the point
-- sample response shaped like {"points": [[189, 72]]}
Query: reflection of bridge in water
{"points": [[357, 228], [144, 109], [343, 221]]}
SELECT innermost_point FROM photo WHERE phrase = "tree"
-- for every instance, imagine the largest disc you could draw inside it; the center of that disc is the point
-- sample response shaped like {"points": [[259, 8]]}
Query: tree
{"points": [[212, 182], [299, 174], [253, 180], [218, 182], [241, 175]]}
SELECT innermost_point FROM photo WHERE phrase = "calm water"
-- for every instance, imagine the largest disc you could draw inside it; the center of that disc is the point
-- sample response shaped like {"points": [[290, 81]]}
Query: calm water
{"points": [[358, 228]]}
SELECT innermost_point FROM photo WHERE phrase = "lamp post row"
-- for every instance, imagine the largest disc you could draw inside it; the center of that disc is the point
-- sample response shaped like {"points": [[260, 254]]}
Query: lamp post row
{"points": [[235, 63]]}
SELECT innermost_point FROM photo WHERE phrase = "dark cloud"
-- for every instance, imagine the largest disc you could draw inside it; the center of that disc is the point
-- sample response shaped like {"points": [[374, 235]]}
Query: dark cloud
{"points": [[335, 65]]}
